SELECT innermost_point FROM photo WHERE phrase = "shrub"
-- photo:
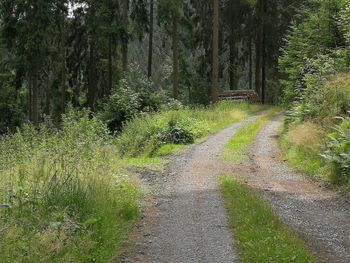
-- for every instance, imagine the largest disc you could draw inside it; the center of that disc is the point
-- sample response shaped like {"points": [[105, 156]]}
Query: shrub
{"points": [[338, 152], [133, 95]]}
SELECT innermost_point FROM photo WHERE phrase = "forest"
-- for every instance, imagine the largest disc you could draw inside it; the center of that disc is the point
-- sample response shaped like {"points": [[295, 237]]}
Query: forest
{"points": [[128, 132]]}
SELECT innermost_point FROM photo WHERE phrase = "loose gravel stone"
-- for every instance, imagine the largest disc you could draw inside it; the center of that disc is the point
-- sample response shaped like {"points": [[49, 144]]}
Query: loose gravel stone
{"points": [[320, 215]]}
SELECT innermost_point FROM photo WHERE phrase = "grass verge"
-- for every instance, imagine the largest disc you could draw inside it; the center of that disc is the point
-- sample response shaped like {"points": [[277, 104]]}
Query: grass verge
{"points": [[260, 234], [302, 145], [235, 150]]}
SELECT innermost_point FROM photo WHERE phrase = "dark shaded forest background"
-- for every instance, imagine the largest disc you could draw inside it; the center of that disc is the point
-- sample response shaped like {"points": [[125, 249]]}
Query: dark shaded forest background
{"points": [[83, 54]]}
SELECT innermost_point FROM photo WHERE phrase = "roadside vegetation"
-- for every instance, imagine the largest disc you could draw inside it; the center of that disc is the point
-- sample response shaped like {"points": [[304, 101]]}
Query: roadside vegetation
{"points": [[63, 198], [235, 150], [161, 133], [66, 192], [260, 235], [315, 137]]}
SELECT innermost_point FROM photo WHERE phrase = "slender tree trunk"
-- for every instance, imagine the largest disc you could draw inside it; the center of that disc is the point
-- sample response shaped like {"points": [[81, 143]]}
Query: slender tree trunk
{"points": [[259, 40], [176, 54], [232, 63], [35, 100], [221, 43], [215, 66], [110, 66], [250, 65], [92, 84], [263, 67], [50, 80], [150, 46], [125, 40], [63, 82], [30, 98]]}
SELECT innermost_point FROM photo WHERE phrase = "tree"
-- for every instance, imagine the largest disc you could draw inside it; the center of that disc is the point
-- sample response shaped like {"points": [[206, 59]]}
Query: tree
{"points": [[150, 46], [215, 64], [170, 13]]}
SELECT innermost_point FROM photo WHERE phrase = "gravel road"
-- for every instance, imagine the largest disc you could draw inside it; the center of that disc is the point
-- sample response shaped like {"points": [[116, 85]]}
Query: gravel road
{"points": [[319, 215], [186, 220]]}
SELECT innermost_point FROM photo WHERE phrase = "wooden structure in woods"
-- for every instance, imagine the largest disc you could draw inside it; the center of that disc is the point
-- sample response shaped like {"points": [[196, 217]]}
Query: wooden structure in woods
{"points": [[240, 95]]}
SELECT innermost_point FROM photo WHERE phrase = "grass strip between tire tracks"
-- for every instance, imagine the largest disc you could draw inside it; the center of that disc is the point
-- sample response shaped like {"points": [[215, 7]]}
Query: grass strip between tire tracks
{"points": [[260, 235]]}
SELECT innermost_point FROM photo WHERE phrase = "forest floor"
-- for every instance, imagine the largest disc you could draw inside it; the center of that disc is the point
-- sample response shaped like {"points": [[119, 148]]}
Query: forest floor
{"points": [[184, 219]]}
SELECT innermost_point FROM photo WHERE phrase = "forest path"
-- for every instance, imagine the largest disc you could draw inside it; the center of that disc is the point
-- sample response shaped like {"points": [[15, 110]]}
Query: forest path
{"points": [[186, 221], [319, 215]]}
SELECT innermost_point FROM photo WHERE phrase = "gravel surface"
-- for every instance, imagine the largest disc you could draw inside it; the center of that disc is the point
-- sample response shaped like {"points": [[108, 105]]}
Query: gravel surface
{"points": [[185, 221], [319, 215]]}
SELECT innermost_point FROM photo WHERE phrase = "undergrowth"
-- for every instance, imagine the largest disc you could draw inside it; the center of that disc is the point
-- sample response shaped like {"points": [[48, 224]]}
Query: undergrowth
{"points": [[260, 235], [315, 136], [63, 199]]}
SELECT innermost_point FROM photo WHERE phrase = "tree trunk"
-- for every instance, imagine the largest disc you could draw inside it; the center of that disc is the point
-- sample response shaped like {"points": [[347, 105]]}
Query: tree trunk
{"points": [[232, 63], [35, 100], [215, 66], [263, 67], [92, 84], [125, 38], [63, 82], [259, 46], [150, 46], [50, 80], [176, 54], [250, 65], [110, 66]]}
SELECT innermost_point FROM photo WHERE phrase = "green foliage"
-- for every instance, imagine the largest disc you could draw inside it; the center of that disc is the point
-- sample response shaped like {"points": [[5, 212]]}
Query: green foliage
{"points": [[315, 61], [313, 48], [260, 235], [146, 134], [132, 96], [62, 196], [337, 152]]}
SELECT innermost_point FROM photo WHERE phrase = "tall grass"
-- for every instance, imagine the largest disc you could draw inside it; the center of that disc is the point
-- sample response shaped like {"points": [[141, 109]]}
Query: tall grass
{"points": [[62, 199], [302, 146]]}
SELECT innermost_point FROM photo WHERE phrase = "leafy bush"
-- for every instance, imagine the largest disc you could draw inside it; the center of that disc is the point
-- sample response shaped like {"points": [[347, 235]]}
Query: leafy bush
{"points": [[338, 152], [133, 95], [62, 198]]}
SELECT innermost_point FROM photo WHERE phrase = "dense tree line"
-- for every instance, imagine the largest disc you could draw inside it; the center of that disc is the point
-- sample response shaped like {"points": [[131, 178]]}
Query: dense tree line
{"points": [[75, 52]]}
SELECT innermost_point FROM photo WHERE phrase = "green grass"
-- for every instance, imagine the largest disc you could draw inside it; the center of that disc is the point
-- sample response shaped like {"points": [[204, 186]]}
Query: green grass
{"points": [[68, 199], [260, 234], [153, 135], [235, 150], [302, 145]]}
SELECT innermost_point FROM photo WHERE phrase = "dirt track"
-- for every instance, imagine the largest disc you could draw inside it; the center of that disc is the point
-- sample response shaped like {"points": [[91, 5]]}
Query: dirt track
{"points": [[185, 220], [319, 215]]}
